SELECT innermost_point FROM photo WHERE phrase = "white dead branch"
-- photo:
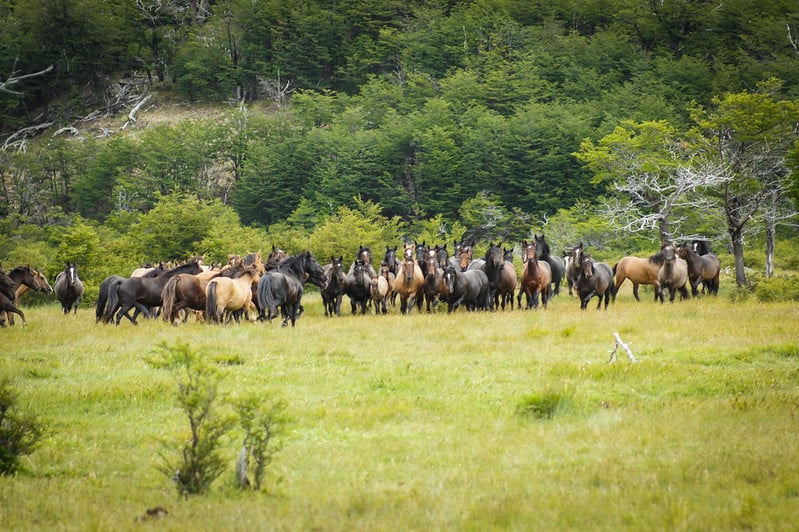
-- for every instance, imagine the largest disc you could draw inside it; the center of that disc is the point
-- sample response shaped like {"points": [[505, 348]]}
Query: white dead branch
{"points": [[620, 343]]}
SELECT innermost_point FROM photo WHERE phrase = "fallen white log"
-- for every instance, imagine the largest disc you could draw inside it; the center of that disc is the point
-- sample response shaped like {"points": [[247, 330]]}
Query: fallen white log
{"points": [[624, 346]]}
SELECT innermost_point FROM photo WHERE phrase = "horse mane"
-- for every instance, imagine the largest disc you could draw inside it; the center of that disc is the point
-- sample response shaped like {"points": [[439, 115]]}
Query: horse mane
{"points": [[658, 258], [183, 268]]}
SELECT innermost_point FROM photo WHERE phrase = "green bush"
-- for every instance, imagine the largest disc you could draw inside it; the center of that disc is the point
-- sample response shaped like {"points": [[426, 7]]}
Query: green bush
{"points": [[199, 463], [543, 405], [19, 433], [782, 288]]}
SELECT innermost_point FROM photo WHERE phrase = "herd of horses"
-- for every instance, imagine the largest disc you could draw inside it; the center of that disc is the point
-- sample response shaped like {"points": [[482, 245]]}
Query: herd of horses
{"points": [[417, 275]]}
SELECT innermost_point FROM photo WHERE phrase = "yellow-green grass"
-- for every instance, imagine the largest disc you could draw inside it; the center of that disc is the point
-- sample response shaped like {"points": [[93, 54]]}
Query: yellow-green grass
{"points": [[417, 422]]}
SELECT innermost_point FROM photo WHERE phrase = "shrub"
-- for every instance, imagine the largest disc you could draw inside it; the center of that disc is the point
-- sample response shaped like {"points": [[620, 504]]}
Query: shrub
{"points": [[199, 463], [19, 433], [782, 288], [261, 419], [543, 405]]}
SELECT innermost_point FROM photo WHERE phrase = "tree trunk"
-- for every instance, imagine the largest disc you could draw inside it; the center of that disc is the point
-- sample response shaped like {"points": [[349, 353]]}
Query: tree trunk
{"points": [[770, 236], [738, 252], [665, 232]]}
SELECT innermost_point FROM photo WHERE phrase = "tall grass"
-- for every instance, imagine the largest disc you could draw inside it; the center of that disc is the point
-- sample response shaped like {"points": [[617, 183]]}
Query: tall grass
{"points": [[419, 421]]}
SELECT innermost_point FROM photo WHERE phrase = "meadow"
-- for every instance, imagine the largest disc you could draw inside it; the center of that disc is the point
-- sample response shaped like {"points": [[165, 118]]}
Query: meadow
{"points": [[424, 422]]}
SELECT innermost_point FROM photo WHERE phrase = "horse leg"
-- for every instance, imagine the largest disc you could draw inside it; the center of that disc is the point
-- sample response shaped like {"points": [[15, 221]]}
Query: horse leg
{"points": [[635, 291], [587, 299]]}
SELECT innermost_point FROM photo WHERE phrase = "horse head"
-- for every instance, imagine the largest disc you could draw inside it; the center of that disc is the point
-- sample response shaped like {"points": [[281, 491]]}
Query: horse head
{"points": [[507, 255], [442, 255], [407, 251], [669, 253], [586, 266], [316, 274], [494, 256], [41, 282], [542, 246], [408, 266], [529, 250]]}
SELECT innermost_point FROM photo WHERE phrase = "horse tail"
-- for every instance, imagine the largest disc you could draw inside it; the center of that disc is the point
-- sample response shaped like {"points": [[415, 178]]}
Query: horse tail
{"points": [[265, 296], [113, 300], [210, 303], [101, 300], [168, 297]]}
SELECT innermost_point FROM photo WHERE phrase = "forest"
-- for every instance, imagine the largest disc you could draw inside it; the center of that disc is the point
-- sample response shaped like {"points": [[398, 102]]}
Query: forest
{"points": [[329, 124]]}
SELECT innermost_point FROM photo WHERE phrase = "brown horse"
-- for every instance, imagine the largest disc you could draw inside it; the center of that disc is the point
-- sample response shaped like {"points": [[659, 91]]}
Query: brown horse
{"points": [[434, 285], [409, 284], [8, 286], [230, 294], [572, 261], [186, 291], [536, 277], [41, 286], [639, 271], [506, 285], [673, 275], [703, 269]]}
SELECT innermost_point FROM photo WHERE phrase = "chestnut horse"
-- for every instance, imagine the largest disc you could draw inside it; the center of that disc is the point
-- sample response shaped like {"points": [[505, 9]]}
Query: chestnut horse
{"points": [[536, 277], [506, 285], [186, 291]]}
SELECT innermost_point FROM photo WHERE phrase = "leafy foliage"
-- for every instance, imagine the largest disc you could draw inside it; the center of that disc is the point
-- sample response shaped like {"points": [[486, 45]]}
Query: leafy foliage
{"points": [[19, 432], [200, 462]]}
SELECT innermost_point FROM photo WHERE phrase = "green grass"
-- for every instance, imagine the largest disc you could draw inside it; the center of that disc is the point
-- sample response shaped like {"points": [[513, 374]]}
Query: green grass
{"points": [[509, 420]]}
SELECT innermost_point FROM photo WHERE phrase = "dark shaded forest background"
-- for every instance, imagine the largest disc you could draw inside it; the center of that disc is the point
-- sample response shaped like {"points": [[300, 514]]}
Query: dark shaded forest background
{"points": [[332, 124]]}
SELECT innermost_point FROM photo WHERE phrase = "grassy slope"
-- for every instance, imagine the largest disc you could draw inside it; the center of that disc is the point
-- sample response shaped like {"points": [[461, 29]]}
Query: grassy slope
{"points": [[409, 422]]}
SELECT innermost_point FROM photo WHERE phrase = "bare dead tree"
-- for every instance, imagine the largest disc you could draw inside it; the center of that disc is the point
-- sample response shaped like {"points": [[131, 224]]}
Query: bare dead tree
{"points": [[14, 78], [648, 199]]}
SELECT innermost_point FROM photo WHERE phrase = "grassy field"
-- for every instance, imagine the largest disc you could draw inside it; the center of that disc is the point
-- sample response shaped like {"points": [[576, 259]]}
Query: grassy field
{"points": [[422, 422]]}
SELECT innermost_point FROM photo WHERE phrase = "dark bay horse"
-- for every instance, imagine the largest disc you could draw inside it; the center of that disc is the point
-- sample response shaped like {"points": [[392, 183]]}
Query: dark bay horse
{"points": [[703, 269], [69, 288], [556, 264], [142, 293], [21, 275], [673, 275], [283, 286], [639, 271], [595, 279], [434, 286], [335, 287], [572, 261], [359, 287], [41, 286], [469, 288], [493, 263], [536, 279], [186, 291], [506, 286]]}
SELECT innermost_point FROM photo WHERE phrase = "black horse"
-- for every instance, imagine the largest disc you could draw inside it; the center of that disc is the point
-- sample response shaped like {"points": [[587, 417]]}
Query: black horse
{"points": [[595, 279], [469, 288], [141, 293], [390, 258], [359, 287], [556, 263], [69, 288], [493, 264], [283, 286], [335, 287]]}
